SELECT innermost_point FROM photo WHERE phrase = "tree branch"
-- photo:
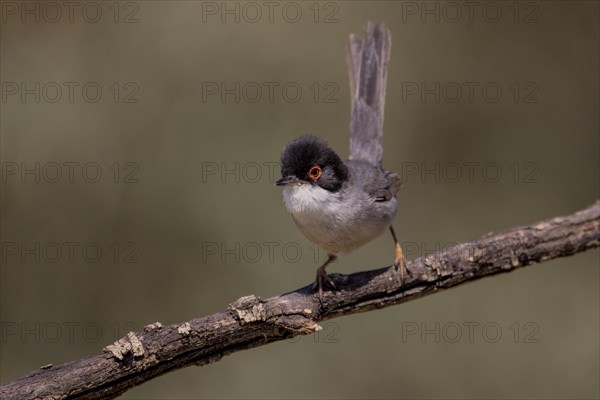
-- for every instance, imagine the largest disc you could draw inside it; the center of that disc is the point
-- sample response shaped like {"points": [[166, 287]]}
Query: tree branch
{"points": [[251, 322]]}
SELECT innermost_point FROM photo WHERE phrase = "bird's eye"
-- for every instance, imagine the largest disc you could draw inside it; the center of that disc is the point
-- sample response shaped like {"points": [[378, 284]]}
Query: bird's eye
{"points": [[315, 173]]}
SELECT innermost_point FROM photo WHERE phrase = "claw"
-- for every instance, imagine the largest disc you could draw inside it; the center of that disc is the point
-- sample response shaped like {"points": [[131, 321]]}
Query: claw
{"points": [[322, 277], [400, 265], [400, 262]]}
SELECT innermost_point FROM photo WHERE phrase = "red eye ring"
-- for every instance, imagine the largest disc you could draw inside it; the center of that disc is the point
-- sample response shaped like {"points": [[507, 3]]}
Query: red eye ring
{"points": [[315, 173]]}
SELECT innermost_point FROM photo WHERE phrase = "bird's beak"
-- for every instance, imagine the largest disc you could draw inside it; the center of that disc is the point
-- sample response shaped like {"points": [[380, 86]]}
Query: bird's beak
{"points": [[286, 180]]}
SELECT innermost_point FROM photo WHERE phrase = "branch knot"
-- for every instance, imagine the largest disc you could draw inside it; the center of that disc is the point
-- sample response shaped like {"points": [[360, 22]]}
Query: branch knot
{"points": [[126, 345], [248, 309]]}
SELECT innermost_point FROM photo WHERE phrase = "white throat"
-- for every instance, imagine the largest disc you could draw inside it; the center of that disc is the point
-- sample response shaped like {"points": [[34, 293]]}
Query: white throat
{"points": [[300, 198]]}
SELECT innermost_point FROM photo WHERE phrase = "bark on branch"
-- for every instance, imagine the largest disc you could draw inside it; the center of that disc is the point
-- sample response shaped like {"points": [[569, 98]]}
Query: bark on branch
{"points": [[251, 321]]}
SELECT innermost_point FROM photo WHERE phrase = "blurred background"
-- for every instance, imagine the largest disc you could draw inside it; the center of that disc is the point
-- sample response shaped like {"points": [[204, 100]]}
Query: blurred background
{"points": [[139, 146]]}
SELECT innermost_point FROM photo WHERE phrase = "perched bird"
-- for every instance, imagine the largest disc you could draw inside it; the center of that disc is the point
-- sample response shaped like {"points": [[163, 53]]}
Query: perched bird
{"points": [[342, 205]]}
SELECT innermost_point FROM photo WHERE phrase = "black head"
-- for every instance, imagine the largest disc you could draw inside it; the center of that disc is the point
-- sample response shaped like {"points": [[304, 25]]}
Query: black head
{"points": [[307, 159]]}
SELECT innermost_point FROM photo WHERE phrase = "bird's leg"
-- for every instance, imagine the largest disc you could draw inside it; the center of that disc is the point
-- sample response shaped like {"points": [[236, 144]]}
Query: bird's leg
{"points": [[399, 261], [322, 275]]}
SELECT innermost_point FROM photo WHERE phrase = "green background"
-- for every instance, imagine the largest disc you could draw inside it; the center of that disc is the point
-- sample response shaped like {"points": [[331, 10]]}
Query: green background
{"points": [[541, 135]]}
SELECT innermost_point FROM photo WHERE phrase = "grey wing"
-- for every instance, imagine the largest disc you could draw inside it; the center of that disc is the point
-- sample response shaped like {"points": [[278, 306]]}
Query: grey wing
{"points": [[386, 188], [367, 61], [377, 183]]}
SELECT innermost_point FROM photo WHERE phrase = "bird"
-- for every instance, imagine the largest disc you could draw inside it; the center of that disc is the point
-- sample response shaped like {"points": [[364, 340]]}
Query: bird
{"points": [[342, 205]]}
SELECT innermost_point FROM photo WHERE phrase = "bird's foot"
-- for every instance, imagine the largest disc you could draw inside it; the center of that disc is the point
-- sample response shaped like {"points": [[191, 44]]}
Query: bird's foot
{"points": [[321, 279], [400, 264]]}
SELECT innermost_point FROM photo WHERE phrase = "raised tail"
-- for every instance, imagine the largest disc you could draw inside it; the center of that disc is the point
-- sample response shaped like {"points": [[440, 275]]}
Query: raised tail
{"points": [[367, 60]]}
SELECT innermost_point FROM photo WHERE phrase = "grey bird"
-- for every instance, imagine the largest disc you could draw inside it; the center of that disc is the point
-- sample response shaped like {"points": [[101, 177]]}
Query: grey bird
{"points": [[342, 205]]}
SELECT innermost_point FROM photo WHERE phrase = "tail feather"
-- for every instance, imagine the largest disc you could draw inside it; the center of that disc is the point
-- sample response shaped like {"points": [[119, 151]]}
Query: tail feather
{"points": [[367, 68]]}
